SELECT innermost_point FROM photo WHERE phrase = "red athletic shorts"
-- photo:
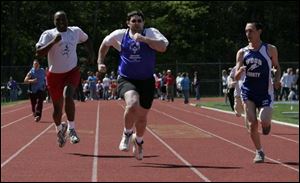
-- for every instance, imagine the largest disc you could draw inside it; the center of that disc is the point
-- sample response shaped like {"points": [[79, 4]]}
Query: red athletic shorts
{"points": [[57, 82]]}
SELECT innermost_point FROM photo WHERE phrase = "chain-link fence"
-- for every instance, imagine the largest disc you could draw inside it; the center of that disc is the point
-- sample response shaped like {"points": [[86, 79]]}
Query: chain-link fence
{"points": [[209, 73]]}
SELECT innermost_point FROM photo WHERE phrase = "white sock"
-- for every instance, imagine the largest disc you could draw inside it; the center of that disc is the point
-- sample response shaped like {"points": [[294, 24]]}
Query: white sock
{"points": [[71, 124], [128, 131], [58, 128], [139, 140], [259, 150]]}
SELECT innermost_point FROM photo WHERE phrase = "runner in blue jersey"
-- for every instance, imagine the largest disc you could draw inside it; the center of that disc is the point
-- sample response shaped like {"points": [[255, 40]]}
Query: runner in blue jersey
{"points": [[137, 46], [257, 60]]}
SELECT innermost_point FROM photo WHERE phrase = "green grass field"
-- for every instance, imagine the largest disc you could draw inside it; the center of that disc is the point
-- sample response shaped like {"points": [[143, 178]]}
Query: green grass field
{"points": [[281, 112], [6, 104]]}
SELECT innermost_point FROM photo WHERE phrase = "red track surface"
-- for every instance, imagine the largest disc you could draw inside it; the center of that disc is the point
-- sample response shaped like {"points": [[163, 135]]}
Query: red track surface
{"points": [[182, 144]]}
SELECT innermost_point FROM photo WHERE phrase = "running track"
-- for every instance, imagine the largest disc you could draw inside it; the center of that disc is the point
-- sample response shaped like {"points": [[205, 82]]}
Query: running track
{"points": [[182, 144]]}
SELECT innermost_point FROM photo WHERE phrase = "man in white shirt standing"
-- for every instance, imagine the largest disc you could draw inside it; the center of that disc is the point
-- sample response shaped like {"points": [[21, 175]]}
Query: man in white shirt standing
{"points": [[59, 44], [286, 84]]}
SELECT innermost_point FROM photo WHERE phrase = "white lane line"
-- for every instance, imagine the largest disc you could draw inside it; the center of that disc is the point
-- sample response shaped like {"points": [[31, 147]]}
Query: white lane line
{"points": [[28, 144], [96, 146], [11, 123], [228, 122], [7, 112], [226, 140], [198, 173], [25, 146], [273, 121]]}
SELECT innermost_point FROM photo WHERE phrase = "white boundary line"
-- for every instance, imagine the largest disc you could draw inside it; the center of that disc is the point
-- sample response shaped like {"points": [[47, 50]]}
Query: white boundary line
{"points": [[228, 122], [14, 110], [96, 146], [226, 140], [28, 144], [228, 112], [203, 177], [4, 126], [199, 174], [25, 146]]}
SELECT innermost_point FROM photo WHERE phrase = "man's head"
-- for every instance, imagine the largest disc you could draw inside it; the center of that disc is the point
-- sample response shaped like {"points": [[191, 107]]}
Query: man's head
{"points": [[253, 31], [169, 72], [35, 64], [135, 21], [61, 21]]}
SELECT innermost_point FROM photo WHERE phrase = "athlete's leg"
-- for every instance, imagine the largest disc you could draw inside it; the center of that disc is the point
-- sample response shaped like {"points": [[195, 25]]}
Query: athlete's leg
{"points": [[132, 104], [57, 113], [250, 114], [265, 117], [69, 102], [141, 121]]}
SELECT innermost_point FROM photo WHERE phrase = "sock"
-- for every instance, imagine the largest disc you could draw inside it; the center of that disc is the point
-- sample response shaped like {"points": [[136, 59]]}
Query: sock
{"points": [[259, 150], [58, 128], [139, 140], [71, 124], [128, 131]]}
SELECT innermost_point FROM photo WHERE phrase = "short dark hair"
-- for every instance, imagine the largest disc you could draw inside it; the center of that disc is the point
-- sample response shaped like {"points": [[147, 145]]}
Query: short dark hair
{"points": [[258, 25], [135, 12], [60, 12]]}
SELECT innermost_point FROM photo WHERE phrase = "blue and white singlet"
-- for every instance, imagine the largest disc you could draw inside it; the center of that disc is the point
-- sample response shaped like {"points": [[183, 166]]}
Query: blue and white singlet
{"points": [[257, 85], [137, 59]]}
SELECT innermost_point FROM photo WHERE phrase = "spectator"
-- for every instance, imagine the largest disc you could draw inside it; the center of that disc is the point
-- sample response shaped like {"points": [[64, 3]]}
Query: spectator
{"points": [[231, 83], [286, 84], [92, 80], [163, 87], [224, 84], [185, 85], [170, 80], [13, 88], [296, 83], [86, 90], [196, 85], [106, 84], [178, 84]]}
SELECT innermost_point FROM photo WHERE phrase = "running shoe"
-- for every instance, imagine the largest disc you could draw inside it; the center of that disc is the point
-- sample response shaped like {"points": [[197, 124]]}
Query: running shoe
{"points": [[74, 139], [61, 135], [137, 148], [259, 157], [37, 118], [125, 142]]}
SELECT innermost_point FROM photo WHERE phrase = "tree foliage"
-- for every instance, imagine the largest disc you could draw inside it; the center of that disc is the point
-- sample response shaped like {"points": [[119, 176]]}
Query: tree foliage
{"points": [[198, 31]]}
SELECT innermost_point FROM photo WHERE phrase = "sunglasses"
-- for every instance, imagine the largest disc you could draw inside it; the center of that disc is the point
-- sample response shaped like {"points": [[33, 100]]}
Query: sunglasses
{"points": [[134, 20]]}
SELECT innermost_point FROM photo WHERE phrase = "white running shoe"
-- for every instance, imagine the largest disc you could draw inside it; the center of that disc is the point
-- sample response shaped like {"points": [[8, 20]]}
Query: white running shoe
{"points": [[61, 135], [137, 148], [259, 157], [125, 142], [74, 139]]}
